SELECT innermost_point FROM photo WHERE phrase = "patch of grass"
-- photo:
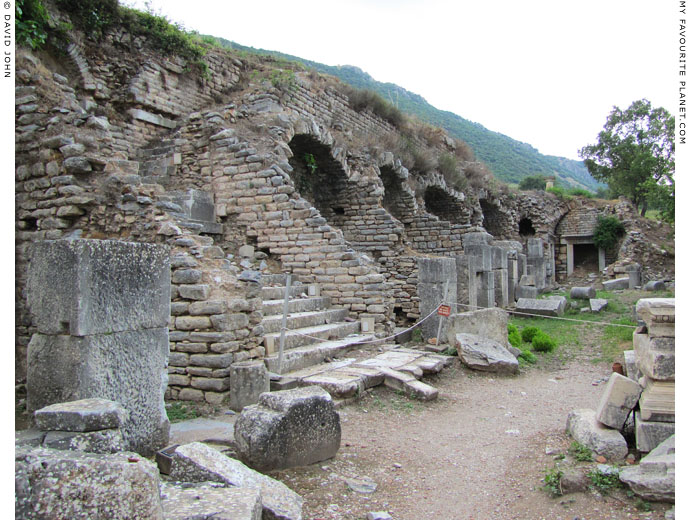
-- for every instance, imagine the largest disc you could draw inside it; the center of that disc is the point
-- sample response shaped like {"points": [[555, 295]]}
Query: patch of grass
{"points": [[604, 482], [417, 336], [552, 482], [450, 351], [542, 342], [580, 452], [178, 411], [616, 340]]}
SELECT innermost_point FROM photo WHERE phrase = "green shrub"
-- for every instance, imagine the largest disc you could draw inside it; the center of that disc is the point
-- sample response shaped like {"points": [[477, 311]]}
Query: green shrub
{"points": [[364, 99], [32, 23], [529, 332], [580, 452], [604, 482], [542, 342], [607, 232], [579, 192], [527, 356], [533, 182], [559, 192], [512, 328], [552, 481], [515, 339]]}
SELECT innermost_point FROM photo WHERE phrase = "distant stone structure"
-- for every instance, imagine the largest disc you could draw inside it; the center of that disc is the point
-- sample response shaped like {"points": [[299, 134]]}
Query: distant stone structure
{"points": [[144, 151], [101, 308]]}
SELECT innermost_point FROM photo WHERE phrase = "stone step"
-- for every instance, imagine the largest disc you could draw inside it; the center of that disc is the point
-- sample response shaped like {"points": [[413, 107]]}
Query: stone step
{"points": [[397, 368], [299, 320], [302, 357], [271, 307], [309, 335], [278, 293]]}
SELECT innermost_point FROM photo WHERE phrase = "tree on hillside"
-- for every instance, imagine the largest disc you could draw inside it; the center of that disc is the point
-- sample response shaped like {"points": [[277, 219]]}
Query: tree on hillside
{"points": [[533, 182], [634, 154]]}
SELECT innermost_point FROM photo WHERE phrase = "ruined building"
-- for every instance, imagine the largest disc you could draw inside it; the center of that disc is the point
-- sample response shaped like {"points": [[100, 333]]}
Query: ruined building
{"points": [[243, 177]]}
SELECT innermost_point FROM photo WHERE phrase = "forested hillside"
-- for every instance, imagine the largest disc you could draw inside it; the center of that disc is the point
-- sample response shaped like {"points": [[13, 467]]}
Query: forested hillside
{"points": [[510, 160]]}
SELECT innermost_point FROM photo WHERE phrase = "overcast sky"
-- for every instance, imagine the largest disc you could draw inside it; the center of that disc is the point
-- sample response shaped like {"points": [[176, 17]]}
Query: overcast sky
{"points": [[543, 72]]}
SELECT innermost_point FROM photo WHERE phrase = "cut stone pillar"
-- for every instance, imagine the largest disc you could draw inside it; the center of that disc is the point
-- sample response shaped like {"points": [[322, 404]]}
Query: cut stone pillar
{"points": [[248, 380], [101, 308], [433, 275]]}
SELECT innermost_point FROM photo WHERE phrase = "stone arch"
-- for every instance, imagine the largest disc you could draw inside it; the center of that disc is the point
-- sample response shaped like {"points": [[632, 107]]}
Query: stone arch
{"points": [[440, 203], [398, 197], [497, 222], [319, 178], [526, 227]]}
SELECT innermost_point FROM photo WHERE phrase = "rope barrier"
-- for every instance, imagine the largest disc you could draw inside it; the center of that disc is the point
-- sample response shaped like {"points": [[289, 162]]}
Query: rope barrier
{"points": [[457, 304], [379, 340]]}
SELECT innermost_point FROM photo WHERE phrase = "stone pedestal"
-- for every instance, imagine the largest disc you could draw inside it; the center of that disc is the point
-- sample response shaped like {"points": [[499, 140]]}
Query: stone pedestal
{"points": [[101, 309]]}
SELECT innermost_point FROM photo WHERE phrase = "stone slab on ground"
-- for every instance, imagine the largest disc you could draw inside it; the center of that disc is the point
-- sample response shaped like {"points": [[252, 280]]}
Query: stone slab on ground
{"points": [[102, 441], [182, 501], [408, 384], [485, 354], [547, 307], [216, 430], [339, 384], [82, 415], [655, 285], [583, 426], [526, 291], [598, 304], [85, 486], [287, 429], [197, 462], [620, 397], [488, 323], [656, 357], [583, 293], [616, 284], [85, 287], [654, 478], [649, 434]]}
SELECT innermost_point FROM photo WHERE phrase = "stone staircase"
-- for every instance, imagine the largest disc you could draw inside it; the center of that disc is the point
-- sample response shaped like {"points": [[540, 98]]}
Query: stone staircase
{"points": [[317, 339], [316, 332]]}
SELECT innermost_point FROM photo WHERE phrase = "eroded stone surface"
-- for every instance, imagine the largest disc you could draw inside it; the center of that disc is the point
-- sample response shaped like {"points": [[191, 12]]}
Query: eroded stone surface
{"points": [[85, 486], [620, 397], [82, 415], [288, 428], [182, 501], [197, 462], [654, 478], [485, 354], [583, 426]]}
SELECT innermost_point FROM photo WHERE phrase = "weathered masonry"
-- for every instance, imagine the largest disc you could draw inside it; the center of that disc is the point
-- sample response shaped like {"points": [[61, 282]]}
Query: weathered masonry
{"points": [[243, 181]]}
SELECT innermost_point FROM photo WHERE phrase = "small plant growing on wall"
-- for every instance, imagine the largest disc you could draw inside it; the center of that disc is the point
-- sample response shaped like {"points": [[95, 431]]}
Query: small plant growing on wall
{"points": [[607, 232]]}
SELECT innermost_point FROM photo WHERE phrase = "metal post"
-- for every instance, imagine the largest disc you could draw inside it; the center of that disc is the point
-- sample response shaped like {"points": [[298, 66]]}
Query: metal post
{"points": [[440, 318], [283, 325]]}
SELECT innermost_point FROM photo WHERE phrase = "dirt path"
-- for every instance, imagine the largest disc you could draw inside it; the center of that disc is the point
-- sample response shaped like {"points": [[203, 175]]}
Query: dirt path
{"points": [[477, 453]]}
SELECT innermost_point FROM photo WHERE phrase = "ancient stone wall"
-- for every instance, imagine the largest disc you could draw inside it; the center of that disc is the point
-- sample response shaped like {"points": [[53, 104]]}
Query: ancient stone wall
{"points": [[122, 142]]}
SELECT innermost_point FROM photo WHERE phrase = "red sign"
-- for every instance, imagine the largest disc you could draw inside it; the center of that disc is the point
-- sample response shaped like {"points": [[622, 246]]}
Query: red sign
{"points": [[444, 310]]}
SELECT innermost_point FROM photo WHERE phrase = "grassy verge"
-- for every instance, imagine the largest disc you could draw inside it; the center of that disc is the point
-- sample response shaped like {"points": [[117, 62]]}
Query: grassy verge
{"points": [[610, 332]]}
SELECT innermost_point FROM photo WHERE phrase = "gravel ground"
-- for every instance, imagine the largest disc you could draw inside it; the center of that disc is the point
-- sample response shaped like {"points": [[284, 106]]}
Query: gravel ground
{"points": [[477, 453]]}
